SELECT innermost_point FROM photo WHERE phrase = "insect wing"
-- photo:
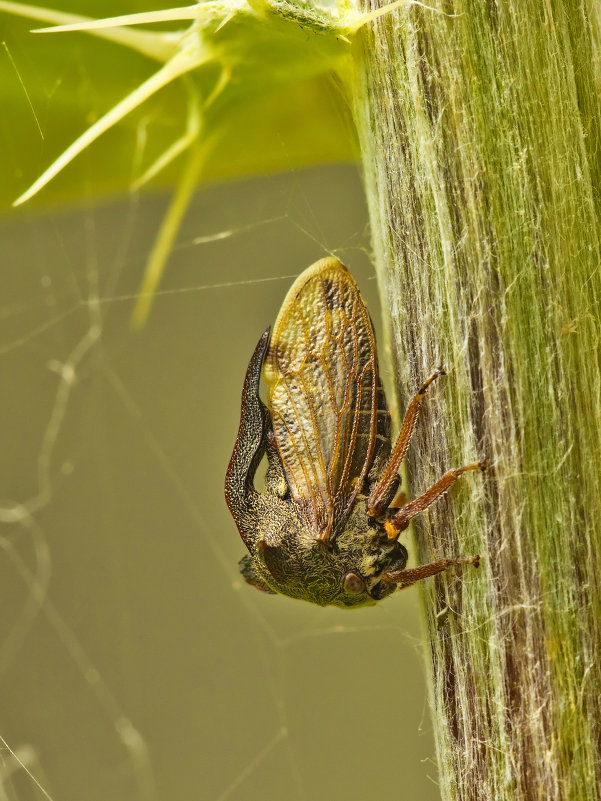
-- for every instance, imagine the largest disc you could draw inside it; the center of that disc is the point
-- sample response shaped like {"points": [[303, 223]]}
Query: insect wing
{"points": [[322, 377]]}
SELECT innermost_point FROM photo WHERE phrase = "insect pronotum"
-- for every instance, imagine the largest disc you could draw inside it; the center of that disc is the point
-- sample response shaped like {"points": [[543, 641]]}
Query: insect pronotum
{"points": [[323, 530]]}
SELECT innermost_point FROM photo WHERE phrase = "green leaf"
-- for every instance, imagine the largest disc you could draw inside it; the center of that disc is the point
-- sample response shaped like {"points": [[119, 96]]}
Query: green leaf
{"points": [[262, 91], [245, 88]]}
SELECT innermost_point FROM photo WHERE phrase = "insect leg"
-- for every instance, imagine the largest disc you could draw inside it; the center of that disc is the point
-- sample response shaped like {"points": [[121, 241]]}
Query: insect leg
{"points": [[249, 573], [240, 493], [275, 479], [404, 578], [380, 494], [400, 520]]}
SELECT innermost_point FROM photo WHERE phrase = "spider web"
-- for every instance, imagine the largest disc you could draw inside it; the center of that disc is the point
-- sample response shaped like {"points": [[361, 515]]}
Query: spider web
{"points": [[134, 662]]}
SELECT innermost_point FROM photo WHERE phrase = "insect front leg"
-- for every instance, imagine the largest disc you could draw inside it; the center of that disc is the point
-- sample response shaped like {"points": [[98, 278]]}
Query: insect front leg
{"points": [[401, 519], [240, 493], [405, 578], [380, 497], [275, 479], [250, 574]]}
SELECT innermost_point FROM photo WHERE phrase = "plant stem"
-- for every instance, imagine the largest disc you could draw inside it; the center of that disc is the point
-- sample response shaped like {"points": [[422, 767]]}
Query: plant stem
{"points": [[481, 142]]}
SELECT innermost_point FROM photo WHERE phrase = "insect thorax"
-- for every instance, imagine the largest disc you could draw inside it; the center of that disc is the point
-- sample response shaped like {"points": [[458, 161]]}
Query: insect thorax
{"points": [[289, 560]]}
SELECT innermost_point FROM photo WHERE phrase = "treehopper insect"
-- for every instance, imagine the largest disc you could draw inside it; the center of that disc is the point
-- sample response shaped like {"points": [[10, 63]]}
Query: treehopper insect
{"points": [[322, 530]]}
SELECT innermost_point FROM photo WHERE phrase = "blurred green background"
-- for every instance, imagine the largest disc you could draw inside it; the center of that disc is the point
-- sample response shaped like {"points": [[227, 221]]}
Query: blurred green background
{"points": [[120, 595], [134, 663]]}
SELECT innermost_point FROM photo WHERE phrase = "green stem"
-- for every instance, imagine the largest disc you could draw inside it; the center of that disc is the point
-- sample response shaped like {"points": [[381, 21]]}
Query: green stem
{"points": [[481, 143]]}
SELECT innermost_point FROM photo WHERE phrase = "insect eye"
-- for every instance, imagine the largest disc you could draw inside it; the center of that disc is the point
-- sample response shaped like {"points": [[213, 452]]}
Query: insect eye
{"points": [[353, 584]]}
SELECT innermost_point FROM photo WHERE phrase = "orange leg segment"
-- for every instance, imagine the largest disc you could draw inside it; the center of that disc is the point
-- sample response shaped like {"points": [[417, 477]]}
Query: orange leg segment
{"points": [[401, 519]]}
